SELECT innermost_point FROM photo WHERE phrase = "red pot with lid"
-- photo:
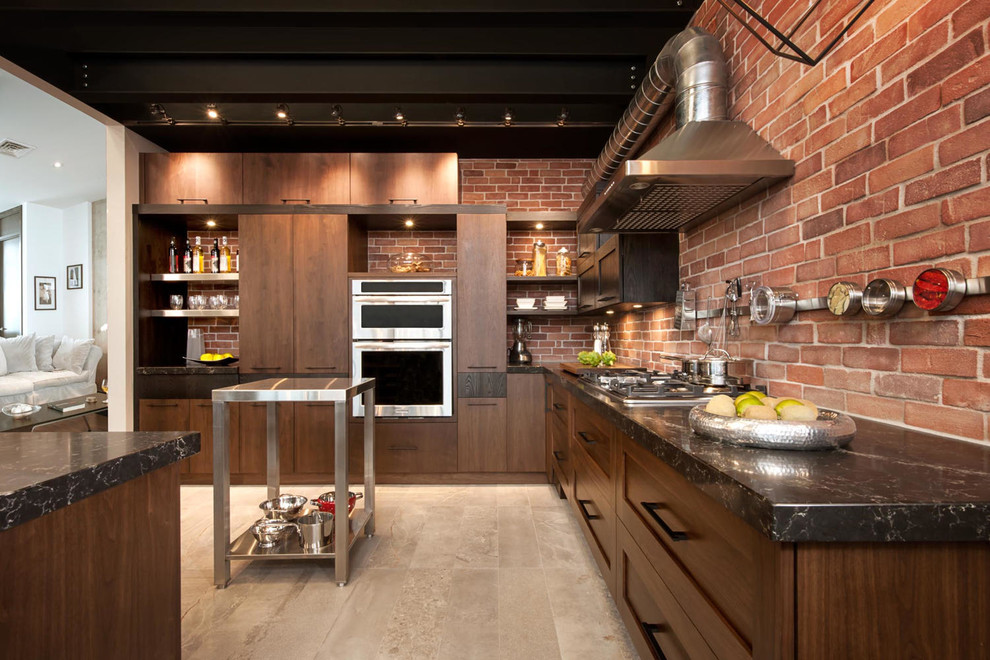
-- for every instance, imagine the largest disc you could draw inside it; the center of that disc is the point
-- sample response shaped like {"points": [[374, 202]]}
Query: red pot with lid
{"points": [[327, 501]]}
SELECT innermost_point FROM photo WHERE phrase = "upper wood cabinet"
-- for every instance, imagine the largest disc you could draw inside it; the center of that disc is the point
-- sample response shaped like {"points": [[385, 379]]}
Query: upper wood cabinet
{"points": [[321, 301], [297, 179], [629, 269], [266, 290], [193, 178], [481, 288], [402, 178]]}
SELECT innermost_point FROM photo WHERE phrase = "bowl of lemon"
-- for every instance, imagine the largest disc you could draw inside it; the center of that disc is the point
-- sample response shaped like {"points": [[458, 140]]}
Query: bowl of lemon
{"points": [[754, 419], [214, 359]]}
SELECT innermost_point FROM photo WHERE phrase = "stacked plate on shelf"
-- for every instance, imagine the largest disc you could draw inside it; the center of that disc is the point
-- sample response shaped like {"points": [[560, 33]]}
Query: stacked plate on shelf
{"points": [[555, 303]]}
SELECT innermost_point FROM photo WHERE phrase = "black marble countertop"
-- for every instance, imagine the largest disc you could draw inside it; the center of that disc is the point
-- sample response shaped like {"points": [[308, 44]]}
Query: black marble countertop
{"points": [[191, 370], [43, 472], [889, 484], [525, 369]]}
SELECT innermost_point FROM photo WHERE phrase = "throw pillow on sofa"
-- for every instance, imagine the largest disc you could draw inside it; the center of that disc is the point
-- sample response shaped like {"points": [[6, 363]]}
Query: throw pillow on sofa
{"points": [[19, 352], [72, 354], [3, 364], [44, 351]]}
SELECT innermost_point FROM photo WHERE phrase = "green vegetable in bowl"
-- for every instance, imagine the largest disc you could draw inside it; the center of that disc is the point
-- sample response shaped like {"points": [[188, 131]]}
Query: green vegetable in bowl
{"points": [[608, 358], [589, 358]]}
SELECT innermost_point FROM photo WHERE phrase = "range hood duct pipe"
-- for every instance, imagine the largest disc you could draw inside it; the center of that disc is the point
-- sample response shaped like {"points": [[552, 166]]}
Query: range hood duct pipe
{"points": [[692, 62]]}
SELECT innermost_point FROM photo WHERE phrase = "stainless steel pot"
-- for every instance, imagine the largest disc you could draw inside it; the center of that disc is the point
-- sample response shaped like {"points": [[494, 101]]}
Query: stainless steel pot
{"points": [[713, 369], [315, 530]]}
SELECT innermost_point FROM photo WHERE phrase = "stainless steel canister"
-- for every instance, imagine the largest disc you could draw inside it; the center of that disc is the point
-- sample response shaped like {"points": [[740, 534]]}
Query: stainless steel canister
{"points": [[315, 530]]}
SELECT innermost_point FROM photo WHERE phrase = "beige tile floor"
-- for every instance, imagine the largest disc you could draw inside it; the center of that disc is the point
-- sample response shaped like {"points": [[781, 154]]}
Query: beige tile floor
{"points": [[453, 572]]}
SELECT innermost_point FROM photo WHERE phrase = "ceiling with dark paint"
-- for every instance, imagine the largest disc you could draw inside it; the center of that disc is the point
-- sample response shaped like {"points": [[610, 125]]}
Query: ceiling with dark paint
{"points": [[157, 65]]}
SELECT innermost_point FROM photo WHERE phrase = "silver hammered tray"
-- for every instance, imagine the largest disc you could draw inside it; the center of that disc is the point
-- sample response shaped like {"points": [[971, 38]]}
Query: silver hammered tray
{"points": [[830, 431]]}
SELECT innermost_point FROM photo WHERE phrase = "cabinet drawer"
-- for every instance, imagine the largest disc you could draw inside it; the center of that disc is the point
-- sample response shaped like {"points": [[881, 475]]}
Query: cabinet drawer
{"points": [[560, 451], [559, 403], [703, 552], [657, 624], [414, 447], [595, 515], [593, 434]]}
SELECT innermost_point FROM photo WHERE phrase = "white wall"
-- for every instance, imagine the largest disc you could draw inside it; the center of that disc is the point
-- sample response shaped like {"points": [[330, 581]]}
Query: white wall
{"points": [[51, 240]]}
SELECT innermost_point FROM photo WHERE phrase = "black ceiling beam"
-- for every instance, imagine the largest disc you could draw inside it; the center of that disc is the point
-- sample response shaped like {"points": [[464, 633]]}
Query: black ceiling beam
{"points": [[111, 79], [357, 6]]}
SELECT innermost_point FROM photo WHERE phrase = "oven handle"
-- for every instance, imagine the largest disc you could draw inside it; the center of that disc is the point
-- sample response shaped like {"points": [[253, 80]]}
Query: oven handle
{"points": [[401, 345], [396, 300]]}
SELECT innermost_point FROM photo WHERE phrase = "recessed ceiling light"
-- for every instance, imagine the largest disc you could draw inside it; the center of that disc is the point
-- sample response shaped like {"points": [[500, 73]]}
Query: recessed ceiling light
{"points": [[610, 311], [211, 223], [637, 306], [57, 163], [539, 225], [410, 223]]}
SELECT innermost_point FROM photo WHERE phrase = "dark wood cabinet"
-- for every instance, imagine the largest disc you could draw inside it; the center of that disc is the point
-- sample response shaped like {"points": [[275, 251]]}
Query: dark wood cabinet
{"points": [[266, 290], [404, 179], [628, 270], [320, 298], [297, 179], [481, 291], [313, 440], [416, 448], [201, 419], [525, 437], [481, 435], [163, 415], [192, 178], [252, 440]]}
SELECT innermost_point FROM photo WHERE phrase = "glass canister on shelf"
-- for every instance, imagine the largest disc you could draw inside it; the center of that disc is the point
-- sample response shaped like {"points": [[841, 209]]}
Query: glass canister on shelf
{"points": [[563, 262], [524, 268], [539, 258]]}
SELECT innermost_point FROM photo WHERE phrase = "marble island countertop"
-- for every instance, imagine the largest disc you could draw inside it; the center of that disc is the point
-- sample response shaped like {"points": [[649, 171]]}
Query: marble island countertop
{"points": [[43, 472], [890, 484]]}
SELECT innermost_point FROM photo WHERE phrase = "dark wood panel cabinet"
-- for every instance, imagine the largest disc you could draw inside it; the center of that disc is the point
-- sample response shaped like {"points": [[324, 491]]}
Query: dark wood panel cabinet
{"points": [[297, 179], [266, 290], [253, 441], [481, 445], [481, 291], [313, 439], [320, 298], [193, 178], [525, 437], [413, 448], [404, 178], [629, 269]]}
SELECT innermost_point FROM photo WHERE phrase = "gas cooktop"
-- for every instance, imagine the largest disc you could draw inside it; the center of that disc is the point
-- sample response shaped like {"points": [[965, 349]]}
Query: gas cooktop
{"points": [[637, 387]]}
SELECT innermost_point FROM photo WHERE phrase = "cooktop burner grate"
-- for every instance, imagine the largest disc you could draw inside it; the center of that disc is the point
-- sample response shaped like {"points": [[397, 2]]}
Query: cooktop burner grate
{"points": [[642, 386]]}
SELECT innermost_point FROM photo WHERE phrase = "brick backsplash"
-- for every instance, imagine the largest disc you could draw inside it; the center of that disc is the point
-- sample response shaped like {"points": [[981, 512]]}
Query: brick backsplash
{"points": [[889, 133], [440, 247], [524, 185], [556, 339], [220, 335]]}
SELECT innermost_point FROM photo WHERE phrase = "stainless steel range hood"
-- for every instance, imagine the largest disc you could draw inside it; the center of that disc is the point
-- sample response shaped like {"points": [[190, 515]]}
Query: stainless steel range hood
{"points": [[706, 166]]}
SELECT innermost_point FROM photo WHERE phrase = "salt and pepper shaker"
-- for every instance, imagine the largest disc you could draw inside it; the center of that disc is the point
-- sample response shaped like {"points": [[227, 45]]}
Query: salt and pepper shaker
{"points": [[601, 333]]}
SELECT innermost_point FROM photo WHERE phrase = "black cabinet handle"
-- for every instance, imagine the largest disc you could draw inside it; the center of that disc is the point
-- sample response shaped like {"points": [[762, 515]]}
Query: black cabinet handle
{"points": [[584, 511], [163, 405], [604, 298], [402, 199], [264, 367], [183, 200], [651, 508], [295, 199], [402, 448], [559, 406], [559, 456], [583, 306], [482, 404], [582, 255], [332, 366], [651, 630], [584, 436], [477, 367]]}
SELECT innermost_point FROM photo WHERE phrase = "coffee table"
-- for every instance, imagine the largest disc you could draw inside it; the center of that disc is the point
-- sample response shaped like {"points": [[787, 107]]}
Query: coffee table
{"points": [[47, 416]]}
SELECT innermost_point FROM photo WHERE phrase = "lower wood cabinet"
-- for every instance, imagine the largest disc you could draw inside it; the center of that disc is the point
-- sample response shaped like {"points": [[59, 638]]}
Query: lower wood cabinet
{"points": [[165, 415], [561, 463], [413, 447], [252, 464], [525, 437], [481, 435], [596, 517]]}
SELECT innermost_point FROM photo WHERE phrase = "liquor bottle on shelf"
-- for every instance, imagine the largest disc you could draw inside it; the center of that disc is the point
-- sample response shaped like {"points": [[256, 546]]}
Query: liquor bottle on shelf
{"points": [[215, 257], [187, 257], [197, 257], [224, 257], [173, 257], [237, 261]]}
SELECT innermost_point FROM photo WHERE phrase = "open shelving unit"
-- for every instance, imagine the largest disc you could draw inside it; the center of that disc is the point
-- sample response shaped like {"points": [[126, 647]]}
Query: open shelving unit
{"points": [[526, 279], [194, 313], [205, 278]]}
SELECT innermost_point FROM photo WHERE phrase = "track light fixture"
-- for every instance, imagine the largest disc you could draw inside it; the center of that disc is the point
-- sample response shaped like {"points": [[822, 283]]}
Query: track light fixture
{"points": [[212, 112], [282, 112], [460, 116], [158, 112], [508, 116], [562, 117], [400, 116], [338, 114]]}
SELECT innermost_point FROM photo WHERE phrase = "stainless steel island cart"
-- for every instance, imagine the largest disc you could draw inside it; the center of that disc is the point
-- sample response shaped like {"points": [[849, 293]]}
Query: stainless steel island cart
{"points": [[347, 529]]}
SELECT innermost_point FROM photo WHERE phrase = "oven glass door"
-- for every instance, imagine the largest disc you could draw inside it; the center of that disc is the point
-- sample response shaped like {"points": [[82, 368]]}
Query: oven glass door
{"points": [[402, 317], [412, 379]]}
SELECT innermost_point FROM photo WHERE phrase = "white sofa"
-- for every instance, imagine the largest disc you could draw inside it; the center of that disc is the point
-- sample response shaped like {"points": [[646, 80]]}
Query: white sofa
{"points": [[39, 387]]}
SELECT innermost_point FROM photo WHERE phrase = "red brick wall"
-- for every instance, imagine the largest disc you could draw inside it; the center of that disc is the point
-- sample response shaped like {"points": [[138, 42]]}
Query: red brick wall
{"points": [[220, 335], [891, 136], [524, 185], [439, 246]]}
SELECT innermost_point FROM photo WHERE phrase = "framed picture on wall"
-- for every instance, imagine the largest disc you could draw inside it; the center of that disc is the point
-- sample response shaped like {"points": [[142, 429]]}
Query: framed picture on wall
{"points": [[73, 276], [44, 293]]}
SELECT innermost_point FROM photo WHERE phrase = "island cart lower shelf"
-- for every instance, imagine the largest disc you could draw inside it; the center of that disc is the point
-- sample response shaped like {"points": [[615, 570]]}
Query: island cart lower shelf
{"points": [[340, 392]]}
